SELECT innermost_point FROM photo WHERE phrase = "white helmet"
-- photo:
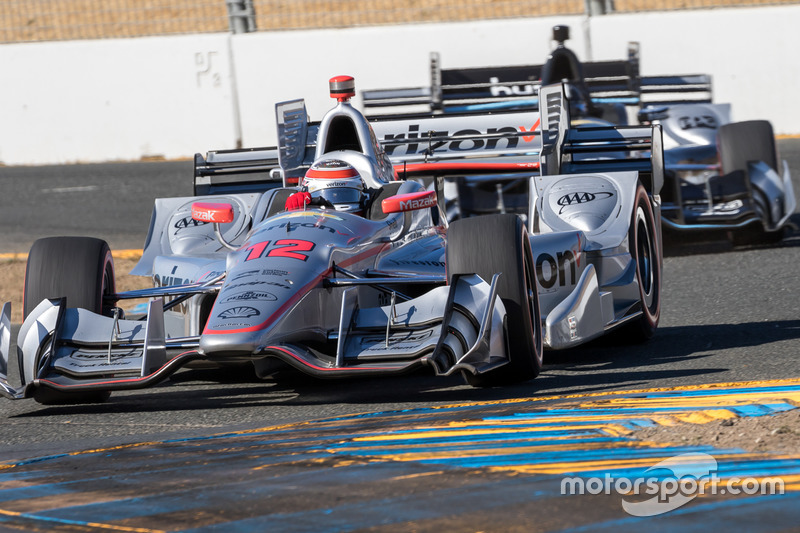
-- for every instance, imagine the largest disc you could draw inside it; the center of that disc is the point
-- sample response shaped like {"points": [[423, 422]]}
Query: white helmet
{"points": [[338, 183]]}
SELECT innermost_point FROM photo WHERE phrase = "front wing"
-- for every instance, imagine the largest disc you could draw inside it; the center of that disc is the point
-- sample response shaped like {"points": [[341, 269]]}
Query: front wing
{"points": [[451, 328]]}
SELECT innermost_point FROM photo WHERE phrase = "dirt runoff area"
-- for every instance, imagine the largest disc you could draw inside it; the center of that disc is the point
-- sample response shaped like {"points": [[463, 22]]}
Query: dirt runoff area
{"points": [[778, 433]]}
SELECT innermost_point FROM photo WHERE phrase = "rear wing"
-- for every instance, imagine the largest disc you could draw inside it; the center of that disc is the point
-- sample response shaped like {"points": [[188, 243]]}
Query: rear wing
{"points": [[512, 142], [236, 171], [494, 147], [430, 138], [259, 169], [597, 149], [482, 88]]}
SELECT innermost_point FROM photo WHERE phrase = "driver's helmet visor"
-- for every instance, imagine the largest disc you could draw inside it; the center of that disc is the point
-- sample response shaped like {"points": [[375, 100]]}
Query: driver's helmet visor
{"points": [[338, 195]]}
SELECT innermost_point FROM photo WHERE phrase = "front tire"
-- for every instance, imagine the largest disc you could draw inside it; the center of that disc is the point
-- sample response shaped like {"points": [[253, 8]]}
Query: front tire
{"points": [[80, 269], [500, 244]]}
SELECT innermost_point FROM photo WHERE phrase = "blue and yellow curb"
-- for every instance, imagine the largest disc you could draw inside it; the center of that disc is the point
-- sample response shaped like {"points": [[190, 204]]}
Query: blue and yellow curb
{"points": [[453, 464]]}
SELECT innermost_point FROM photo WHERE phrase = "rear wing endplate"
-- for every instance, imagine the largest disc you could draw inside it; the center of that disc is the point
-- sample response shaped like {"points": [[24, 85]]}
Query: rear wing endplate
{"points": [[584, 150]]}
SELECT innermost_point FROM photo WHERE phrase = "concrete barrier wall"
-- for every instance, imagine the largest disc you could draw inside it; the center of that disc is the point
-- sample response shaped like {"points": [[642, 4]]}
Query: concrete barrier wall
{"points": [[92, 101]]}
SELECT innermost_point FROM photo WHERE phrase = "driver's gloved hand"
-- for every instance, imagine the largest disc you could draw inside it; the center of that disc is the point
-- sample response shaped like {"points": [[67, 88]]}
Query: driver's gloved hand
{"points": [[298, 200]]}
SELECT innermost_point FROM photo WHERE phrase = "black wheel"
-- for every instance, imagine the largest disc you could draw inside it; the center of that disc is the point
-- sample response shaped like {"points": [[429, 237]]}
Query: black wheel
{"points": [[499, 244], [80, 269], [646, 251]]}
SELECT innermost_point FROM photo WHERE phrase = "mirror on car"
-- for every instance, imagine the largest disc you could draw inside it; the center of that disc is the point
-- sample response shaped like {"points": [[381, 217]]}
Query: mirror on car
{"points": [[409, 201], [220, 213]]}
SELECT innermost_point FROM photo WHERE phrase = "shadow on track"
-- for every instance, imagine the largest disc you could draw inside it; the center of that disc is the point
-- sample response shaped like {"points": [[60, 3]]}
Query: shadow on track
{"points": [[600, 366], [677, 244]]}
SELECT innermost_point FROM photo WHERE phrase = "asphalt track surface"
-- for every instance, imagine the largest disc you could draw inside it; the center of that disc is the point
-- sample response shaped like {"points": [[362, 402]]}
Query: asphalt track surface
{"points": [[728, 315]]}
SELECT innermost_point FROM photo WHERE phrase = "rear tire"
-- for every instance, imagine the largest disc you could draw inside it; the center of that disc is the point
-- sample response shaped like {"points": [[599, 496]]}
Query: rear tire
{"points": [[500, 244], [80, 269], [645, 249]]}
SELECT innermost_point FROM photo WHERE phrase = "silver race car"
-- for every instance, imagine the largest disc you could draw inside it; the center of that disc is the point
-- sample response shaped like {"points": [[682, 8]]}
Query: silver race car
{"points": [[377, 283], [722, 178]]}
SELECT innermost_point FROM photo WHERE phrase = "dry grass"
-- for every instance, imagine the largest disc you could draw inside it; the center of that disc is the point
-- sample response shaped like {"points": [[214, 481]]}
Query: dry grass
{"points": [[47, 20]]}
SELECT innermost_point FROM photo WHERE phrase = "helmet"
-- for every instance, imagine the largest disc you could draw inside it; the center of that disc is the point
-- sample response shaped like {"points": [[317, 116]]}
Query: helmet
{"points": [[338, 183]]}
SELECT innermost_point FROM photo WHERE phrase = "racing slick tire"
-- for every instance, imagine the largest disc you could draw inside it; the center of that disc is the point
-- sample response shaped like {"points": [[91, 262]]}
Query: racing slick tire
{"points": [[645, 248], [739, 143], [500, 244], [80, 269]]}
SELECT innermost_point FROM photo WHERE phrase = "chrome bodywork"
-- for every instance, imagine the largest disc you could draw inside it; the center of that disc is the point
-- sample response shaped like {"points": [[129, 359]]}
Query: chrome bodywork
{"points": [[333, 294]]}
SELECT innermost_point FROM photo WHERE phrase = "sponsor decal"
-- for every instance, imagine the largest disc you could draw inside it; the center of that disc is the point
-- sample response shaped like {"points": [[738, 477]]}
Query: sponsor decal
{"points": [[404, 341], [296, 214], [238, 312], [698, 121], [550, 270], [170, 281], [272, 272], [244, 274], [420, 203], [511, 89], [417, 263], [395, 143], [211, 275], [581, 198], [102, 356], [252, 283], [203, 216], [187, 222], [251, 295], [297, 225], [727, 208]]}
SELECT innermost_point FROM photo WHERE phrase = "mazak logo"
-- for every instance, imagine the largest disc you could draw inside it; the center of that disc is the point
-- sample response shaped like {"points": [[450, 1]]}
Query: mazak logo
{"points": [[420, 203], [238, 312], [580, 198], [416, 142], [251, 295]]}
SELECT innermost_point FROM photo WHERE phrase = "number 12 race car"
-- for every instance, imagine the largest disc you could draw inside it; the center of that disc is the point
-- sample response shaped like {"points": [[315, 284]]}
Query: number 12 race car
{"points": [[380, 286]]}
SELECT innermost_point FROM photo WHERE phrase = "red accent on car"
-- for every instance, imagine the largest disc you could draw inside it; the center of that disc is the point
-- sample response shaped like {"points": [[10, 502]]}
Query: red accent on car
{"points": [[302, 291], [342, 88], [409, 201], [332, 174], [212, 212], [466, 168]]}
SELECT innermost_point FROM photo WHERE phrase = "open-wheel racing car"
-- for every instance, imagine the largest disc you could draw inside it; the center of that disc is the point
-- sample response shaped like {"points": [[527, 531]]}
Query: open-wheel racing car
{"points": [[722, 178], [335, 293]]}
